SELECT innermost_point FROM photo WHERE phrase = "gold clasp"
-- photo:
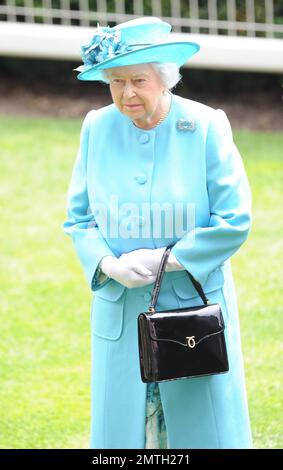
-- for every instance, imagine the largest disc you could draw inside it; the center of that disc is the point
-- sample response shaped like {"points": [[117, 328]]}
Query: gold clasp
{"points": [[191, 341], [151, 309]]}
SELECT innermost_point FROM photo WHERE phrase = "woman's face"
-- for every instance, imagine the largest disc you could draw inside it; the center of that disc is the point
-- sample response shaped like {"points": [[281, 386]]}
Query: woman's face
{"points": [[137, 91]]}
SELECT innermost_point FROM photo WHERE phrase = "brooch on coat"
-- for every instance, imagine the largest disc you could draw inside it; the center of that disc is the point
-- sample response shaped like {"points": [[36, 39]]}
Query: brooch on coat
{"points": [[186, 125]]}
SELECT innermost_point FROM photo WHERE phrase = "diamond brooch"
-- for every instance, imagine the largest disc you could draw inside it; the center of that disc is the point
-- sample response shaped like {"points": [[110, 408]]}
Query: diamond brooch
{"points": [[186, 125]]}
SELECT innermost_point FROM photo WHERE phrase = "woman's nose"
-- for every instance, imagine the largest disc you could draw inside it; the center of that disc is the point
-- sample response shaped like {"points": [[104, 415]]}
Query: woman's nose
{"points": [[129, 90]]}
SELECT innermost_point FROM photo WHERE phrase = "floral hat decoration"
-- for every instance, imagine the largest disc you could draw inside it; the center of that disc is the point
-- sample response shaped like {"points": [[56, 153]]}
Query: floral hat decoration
{"points": [[136, 41]]}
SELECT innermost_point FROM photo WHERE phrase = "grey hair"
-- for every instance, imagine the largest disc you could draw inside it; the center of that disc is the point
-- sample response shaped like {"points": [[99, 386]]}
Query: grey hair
{"points": [[169, 73]]}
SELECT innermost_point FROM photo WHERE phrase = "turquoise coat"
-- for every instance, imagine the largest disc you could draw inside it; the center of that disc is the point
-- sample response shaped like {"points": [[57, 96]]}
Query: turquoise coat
{"points": [[189, 158]]}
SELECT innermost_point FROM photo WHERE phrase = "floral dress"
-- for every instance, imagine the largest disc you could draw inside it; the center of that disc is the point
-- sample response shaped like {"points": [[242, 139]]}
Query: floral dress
{"points": [[155, 433]]}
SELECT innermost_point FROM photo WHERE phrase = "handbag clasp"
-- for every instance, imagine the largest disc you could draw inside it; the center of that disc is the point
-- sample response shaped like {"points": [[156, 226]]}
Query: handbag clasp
{"points": [[191, 341]]}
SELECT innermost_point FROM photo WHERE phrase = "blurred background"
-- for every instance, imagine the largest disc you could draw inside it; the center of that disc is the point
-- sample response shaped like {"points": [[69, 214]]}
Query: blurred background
{"points": [[44, 298]]}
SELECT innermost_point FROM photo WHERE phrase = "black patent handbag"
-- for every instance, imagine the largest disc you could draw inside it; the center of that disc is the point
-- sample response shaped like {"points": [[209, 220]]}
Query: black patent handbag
{"points": [[181, 343]]}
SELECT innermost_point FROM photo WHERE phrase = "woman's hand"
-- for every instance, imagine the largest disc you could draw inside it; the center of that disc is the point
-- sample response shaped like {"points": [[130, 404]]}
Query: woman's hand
{"points": [[151, 259], [127, 271], [173, 264]]}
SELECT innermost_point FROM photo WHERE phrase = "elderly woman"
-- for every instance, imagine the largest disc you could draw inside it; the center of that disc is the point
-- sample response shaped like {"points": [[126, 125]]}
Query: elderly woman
{"points": [[155, 169]]}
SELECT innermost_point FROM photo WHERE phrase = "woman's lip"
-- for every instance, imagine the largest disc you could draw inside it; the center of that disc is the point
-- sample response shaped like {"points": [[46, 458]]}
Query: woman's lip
{"points": [[132, 105]]}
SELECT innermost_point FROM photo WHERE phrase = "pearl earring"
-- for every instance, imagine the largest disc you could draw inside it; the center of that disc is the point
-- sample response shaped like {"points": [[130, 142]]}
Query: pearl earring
{"points": [[164, 92]]}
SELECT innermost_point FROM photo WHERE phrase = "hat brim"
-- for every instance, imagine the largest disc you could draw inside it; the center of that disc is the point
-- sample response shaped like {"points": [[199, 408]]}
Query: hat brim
{"points": [[178, 52]]}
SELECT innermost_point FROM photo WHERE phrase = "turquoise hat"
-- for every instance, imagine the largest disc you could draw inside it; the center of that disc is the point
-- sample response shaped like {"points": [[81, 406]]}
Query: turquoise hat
{"points": [[137, 41]]}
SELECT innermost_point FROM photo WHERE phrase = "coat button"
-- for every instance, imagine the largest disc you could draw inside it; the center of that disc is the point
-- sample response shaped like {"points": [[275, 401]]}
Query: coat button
{"points": [[147, 296], [141, 178], [144, 138]]}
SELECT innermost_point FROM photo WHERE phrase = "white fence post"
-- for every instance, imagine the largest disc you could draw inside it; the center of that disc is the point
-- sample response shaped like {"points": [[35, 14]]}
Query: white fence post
{"points": [[194, 14], [212, 15], [231, 15]]}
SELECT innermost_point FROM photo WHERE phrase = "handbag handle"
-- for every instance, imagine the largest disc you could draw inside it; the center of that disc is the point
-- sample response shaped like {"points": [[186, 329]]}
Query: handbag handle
{"points": [[160, 274]]}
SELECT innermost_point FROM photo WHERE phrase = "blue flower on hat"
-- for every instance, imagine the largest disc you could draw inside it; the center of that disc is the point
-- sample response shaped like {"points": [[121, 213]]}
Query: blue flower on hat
{"points": [[105, 44]]}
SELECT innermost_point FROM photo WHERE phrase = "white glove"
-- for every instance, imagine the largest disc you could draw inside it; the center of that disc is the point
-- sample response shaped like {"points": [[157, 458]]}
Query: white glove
{"points": [[147, 257], [173, 265], [151, 259], [128, 272]]}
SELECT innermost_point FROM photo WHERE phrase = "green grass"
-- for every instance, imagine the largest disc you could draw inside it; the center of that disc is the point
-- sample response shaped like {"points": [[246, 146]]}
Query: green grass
{"points": [[45, 300]]}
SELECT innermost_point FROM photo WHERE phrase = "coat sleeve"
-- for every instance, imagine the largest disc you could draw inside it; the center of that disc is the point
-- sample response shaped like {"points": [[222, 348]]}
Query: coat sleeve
{"points": [[89, 243], [204, 249]]}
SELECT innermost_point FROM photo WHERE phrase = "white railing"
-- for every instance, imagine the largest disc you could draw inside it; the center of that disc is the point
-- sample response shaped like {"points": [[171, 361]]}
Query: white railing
{"points": [[253, 18], [217, 52]]}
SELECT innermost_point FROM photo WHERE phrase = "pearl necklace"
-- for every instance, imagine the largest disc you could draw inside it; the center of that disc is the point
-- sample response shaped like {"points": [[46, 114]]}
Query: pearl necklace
{"points": [[163, 116]]}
